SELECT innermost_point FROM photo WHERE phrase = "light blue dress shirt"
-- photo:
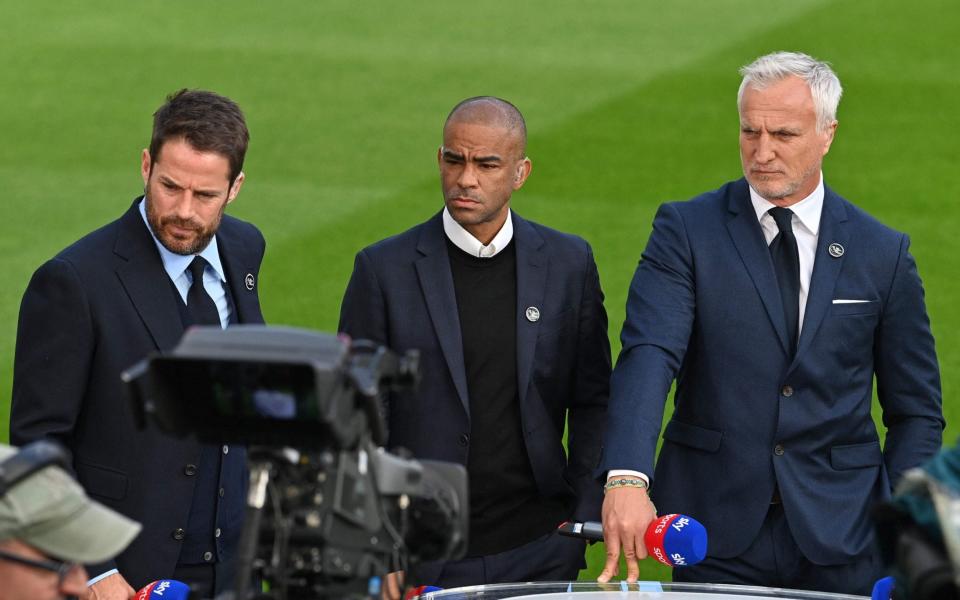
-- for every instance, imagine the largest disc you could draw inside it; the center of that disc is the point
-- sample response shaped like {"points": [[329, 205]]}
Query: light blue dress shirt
{"points": [[176, 266]]}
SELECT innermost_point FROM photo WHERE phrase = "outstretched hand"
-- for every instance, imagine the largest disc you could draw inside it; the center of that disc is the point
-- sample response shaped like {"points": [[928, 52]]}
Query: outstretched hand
{"points": [[626, 513]]}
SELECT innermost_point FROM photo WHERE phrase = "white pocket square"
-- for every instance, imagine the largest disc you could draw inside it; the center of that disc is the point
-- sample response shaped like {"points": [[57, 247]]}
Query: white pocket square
{"points": [[845, 301]]}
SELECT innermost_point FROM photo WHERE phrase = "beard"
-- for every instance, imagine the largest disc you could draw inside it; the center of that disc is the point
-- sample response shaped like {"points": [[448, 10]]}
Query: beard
{"points": [[177, 244], [771, 190]]}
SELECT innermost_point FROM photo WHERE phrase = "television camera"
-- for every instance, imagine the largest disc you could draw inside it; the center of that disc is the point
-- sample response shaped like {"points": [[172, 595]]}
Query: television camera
{"points": [[329, 511]]}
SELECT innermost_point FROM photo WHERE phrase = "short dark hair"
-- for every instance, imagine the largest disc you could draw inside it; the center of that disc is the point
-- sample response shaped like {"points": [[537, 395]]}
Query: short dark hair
{"points": [[207, 121], [491, 110]]}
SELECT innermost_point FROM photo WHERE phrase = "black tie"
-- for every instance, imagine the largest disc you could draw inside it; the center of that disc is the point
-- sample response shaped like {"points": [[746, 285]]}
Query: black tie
{"points": [[200, 305], [786, 262]]}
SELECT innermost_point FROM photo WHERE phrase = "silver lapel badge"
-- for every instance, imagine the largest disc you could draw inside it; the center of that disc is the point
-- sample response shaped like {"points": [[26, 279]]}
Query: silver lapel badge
{"points": [[835, 250], [533, 314]]}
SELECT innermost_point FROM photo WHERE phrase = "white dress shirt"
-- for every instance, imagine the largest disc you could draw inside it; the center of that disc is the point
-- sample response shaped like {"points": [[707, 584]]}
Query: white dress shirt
{"points": [[806, 228], [464, 240]]}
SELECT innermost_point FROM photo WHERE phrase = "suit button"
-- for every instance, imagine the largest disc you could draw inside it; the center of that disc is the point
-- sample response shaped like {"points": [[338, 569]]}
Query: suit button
{"points": [[190, 470], [464, 439], [778, 450], [787, 391], [216, 532], [208, 556], [178, 534], [220, 492], [226, 448]]}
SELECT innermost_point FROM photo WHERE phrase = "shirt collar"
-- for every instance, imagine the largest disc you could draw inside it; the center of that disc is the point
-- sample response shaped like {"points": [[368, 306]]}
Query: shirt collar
{"points": [[464, 240], [175, 264], [807, 210]]}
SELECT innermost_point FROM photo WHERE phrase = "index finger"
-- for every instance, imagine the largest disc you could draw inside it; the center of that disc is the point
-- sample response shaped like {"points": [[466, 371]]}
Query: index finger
{"points": [[611, 541]]}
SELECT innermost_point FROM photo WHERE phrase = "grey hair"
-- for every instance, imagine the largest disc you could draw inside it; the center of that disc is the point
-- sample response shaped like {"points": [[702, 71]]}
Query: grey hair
{"points": [[823, 82]]}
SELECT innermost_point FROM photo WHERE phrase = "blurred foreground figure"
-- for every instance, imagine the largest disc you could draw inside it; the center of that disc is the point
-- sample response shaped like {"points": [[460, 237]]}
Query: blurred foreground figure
{"points": [[919, 530], [773, 303], [49, 528]]}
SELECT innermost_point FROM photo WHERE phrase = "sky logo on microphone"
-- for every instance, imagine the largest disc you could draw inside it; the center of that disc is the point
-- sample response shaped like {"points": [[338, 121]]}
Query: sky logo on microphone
{"points": [[676, 540], [164, 588]]}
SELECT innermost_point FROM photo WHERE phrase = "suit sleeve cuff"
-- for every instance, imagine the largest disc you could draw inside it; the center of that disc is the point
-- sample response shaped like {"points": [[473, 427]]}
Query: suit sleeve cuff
{"points": [[102, 576]]}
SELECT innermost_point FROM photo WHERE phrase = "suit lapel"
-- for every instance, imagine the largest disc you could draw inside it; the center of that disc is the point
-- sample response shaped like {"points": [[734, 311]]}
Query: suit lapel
{"points": [[241, 269], [146, 282], [436, 283], [747, 236], [826, 268], [532, 267]]}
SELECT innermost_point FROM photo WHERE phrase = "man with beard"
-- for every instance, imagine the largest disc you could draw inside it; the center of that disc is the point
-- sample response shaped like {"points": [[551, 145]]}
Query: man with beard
{"points": [[120, 293], [773, 303], [508, 317]]}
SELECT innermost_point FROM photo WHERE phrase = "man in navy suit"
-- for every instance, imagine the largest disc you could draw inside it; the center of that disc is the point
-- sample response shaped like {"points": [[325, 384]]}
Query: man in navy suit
{"points": [[129, 289], [508, 317], [773, 303]]}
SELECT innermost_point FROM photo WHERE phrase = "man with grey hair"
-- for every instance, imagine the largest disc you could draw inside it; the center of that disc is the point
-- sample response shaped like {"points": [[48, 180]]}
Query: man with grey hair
{"points": [[773, 303]]}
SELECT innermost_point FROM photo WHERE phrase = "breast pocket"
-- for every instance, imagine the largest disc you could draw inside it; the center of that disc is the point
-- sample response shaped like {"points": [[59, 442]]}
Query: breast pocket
{"points": [[852, 327], [556, 347], [855, 309], [557, 324]]}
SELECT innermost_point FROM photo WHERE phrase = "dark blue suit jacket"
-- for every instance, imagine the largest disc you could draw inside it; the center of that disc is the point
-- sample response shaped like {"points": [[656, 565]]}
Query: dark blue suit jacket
{"points": [[401, 295], [92, 311], [704, 309]]}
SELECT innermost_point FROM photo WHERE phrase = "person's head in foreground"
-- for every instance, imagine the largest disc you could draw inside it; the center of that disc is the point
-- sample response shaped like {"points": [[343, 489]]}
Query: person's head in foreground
{"points": [[49, 528]]}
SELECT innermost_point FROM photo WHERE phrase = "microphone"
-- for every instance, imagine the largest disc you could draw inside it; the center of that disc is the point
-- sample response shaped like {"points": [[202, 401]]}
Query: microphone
{"points": [[168, 589], [674, 540], [419, 591], [883, 589]]}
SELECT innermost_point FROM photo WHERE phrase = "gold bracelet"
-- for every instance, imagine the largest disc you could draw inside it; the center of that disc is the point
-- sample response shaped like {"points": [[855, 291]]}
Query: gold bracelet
{"points": [[615, 483]]}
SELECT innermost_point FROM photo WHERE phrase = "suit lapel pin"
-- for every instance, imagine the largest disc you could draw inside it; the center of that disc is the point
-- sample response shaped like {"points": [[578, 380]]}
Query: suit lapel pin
{"points": [[533, 314], [835, 250], [249, 281]]}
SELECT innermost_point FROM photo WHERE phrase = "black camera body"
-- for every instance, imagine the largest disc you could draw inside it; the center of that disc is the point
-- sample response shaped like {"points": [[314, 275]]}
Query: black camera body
{"points": [[329, 511]]}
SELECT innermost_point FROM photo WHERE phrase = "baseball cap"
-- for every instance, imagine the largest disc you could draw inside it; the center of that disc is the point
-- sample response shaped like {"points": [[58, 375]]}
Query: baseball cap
{"points": [[50, 511]]}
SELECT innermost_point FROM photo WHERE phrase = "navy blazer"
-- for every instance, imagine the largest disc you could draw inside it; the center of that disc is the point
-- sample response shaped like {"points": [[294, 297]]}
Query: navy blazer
{"points": [[95, 309], [401, 295], [704, 309]]}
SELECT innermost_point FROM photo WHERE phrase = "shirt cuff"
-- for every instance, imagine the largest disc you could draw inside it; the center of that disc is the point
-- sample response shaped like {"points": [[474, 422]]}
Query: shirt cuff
{"points": [[620, 472], [102, 576]]}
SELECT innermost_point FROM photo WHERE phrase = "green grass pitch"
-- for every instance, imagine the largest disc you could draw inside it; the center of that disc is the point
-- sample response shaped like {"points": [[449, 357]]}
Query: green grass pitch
{"points": [[629, 103]]}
